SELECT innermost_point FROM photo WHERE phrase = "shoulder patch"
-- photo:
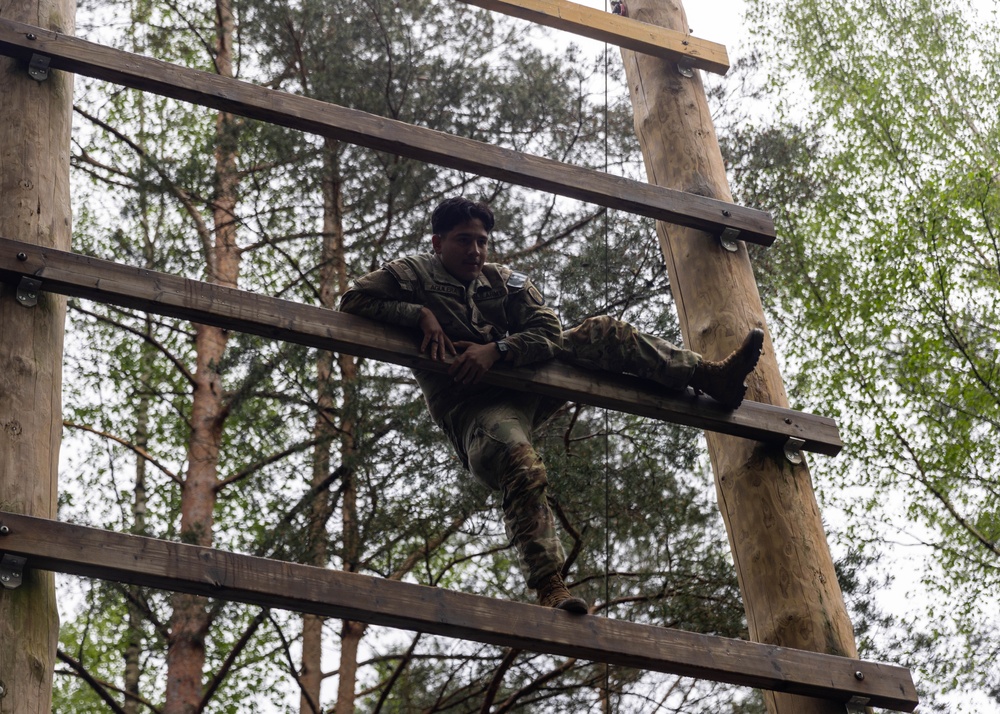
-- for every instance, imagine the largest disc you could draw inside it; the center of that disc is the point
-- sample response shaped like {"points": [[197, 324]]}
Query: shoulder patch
{"points": [[403, 273], [535, 295], [517, 280]]}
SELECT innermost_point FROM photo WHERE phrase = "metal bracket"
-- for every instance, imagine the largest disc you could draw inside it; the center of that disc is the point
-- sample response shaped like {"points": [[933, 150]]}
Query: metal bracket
{"points": [[686, 68], [857, 704], [793, 449], [11, 567], [729, 237], [27, 291], [38, 67]]}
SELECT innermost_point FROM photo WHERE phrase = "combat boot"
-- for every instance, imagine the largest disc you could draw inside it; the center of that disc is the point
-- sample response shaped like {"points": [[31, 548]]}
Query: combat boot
{"points": [[725, 381], [553, 593]]}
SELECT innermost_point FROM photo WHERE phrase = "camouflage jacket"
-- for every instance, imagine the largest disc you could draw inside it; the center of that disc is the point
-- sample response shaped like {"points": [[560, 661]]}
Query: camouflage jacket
{"points": [[501, 303]]}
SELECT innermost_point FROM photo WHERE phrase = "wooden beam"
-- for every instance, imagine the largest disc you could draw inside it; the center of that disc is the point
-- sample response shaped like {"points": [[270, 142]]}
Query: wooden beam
{"points": [[75, 55], [52, 545], [616, 30], [82, 276]]}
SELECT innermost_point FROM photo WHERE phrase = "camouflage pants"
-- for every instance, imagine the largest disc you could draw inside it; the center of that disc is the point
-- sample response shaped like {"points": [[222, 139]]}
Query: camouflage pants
{"points": [[495, 440], [615, 346], [492, 433]]}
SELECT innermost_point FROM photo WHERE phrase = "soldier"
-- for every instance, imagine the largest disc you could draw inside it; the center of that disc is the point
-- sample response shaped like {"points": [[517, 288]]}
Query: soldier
{"points": [[477, 314]]}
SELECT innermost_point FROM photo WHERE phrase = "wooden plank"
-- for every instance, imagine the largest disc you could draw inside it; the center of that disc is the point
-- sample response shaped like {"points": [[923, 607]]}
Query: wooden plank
{"points": [[616, 30], [75, 55], [82, 276], [51, 545]]}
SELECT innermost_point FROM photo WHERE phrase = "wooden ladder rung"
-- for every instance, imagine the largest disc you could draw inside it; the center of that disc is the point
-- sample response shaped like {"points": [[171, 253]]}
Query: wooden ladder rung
{"points": [[79, 550], [77, 275], [616, 30], [72, 54]]}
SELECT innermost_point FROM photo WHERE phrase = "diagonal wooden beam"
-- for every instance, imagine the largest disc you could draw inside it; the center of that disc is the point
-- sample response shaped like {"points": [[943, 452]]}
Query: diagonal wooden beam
{"points": [[82, 276], [62, 547], [616, 30], [301, 113]]}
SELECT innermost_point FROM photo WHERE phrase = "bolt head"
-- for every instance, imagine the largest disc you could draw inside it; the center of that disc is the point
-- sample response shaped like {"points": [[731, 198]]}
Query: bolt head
{"points": [[32, 36], [859, 675], [22, 257]]}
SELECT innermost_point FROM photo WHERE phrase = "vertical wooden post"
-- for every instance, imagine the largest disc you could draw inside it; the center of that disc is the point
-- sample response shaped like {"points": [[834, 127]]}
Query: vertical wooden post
{"points": [[783, 562], [34, 207]]}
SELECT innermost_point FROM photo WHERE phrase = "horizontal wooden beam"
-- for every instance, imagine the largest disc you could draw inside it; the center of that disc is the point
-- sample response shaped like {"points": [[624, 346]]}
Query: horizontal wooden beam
{"points": [[616, 30], [75, 55], [62, 547], [82, 276]]}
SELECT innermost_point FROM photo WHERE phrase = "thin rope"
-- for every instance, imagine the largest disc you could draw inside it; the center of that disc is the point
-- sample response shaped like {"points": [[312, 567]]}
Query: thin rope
{"points": [[607, 428]]}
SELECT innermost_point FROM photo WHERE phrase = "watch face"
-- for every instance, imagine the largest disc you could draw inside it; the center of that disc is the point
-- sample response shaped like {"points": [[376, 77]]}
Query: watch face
{"points": [[502, 346]]}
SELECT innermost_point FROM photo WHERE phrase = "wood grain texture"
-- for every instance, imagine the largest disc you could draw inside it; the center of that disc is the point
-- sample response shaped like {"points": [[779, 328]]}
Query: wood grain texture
{"points": [[375, 132], [205, 571], [82, 276], [779, 546], [625, 32], [35, 122]]}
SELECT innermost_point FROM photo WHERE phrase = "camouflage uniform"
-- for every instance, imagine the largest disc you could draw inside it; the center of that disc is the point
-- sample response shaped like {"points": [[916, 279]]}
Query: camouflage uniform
{"points": [[490, 427]]}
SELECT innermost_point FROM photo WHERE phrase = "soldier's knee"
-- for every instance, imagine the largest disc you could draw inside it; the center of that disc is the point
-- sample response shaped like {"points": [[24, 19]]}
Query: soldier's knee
{"points": [[495, 453], [595, 329]]}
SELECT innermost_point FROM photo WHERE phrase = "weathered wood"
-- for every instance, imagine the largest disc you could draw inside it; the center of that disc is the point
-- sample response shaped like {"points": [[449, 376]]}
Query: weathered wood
{"points": [[83, 276], [678, 47], [356, 127], [90, 552], [779, 547], [35, 120]]}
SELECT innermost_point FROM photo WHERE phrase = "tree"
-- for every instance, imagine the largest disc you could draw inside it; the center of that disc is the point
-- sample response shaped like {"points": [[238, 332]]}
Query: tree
{"points": [[888, 276], [314, 465]]}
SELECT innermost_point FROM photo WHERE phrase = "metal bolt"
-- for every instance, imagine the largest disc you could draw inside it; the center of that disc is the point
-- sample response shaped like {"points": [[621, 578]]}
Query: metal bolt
{"points": [[4, 530], [5, 577], [787, 420], [685, 42], [32, 36], [859, 676], [3, 690], [22, 257], [727, 213]]}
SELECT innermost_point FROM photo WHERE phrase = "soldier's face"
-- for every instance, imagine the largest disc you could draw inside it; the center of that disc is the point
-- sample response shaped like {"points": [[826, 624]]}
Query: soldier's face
{"points": [[463, 249]]}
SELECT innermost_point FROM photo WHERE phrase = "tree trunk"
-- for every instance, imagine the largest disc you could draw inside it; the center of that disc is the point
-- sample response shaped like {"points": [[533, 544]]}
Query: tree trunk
{"points": [[333, 282], [136, 617], [783, 562], [190, 620], [35, 120]]}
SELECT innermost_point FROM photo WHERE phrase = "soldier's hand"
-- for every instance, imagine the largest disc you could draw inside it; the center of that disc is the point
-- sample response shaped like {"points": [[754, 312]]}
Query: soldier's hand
{"points": [[435, 342], [475, 361]]}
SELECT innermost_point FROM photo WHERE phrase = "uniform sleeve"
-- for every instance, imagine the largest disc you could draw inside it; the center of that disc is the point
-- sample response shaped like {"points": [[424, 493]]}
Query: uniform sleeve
{"points": [[535, 329], [378, 296]]}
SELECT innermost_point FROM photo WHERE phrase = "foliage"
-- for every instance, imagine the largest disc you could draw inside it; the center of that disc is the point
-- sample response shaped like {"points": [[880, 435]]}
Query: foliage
{"points": [[884, 181], [634, 496], [144, 178]]}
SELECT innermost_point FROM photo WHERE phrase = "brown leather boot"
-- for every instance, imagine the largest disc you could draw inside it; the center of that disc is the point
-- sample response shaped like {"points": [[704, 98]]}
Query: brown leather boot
{"points": [[553, 593], [725, 381]]}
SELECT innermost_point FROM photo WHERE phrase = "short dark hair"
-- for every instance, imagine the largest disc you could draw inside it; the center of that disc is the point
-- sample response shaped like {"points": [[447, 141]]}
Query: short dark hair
{"points": [[454, 211]]}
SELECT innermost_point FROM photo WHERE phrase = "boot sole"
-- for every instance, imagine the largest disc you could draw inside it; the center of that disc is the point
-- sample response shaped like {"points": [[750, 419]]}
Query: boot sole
{"points": [[575, 605]]}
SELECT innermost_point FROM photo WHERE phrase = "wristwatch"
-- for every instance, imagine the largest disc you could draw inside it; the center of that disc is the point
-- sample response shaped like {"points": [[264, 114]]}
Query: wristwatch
{"points": [[502, 348]]}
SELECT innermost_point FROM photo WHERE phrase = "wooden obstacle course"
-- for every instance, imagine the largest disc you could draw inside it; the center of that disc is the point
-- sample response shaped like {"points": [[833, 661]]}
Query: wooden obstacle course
{"points": [[82, 276], [204, 571], [78, 550], [625, 32], [356, 127]]}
